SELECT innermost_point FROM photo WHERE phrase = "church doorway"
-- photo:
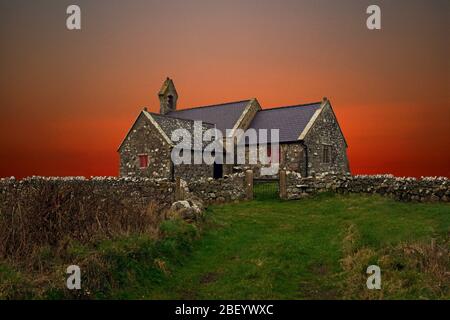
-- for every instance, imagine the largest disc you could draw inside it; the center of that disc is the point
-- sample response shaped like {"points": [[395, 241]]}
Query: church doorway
{"points": [[218, 170]]}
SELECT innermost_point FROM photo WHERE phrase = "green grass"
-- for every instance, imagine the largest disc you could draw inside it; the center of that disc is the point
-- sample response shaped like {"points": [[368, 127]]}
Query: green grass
{"points": [[129, 261], [266, 190], [317, 248], [270, 249]]}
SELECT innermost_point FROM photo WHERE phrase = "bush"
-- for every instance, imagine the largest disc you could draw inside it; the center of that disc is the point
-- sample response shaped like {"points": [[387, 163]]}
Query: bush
{"points": [[50, 213]]}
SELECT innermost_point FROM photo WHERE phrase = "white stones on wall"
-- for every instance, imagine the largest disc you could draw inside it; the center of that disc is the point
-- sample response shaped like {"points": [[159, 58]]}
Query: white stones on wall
{"points": [[428, 189]]}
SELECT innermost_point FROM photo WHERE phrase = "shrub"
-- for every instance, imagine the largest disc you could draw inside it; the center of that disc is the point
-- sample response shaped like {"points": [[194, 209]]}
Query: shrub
{"points": [[50, 213]]}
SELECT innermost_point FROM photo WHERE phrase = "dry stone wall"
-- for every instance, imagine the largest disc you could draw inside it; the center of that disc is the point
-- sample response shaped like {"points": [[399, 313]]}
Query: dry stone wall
{"points": [[133, 190], [228, 189], [426, 189], [45, 211]]}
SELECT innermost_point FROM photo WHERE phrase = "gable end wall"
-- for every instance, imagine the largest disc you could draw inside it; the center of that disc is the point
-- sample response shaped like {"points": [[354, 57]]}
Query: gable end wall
{"points": [[144, 138], [326, 131], [243, 123]]}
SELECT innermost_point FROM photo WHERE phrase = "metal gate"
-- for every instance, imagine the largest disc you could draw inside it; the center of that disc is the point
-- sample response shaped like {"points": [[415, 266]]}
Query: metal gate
{"points": [[266, 189]]}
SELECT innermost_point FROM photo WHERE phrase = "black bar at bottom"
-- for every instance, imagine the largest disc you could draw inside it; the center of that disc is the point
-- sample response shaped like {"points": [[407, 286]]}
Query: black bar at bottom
{"points": [[222, 309]]}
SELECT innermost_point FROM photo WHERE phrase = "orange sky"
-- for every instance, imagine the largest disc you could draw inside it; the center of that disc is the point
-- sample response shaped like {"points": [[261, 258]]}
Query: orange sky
{"points": [[67, 98]]}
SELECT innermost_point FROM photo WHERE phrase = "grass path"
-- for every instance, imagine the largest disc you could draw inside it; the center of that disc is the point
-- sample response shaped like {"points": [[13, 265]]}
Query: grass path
{"points": [[291, 250]]}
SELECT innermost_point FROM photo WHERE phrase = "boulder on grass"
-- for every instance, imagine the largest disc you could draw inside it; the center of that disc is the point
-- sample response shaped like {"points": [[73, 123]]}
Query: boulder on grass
{"points": [[190, 210]]}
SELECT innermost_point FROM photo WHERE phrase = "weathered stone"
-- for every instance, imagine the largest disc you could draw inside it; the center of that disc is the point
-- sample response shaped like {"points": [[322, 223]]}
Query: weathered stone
{"points": [[404, 189], [218, 190], [182, 204]]}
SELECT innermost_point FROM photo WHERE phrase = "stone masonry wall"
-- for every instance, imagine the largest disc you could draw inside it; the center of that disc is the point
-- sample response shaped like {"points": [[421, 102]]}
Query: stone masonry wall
{"points": [[428, 189], [228, 189], [127, 192], [325, 131], [243, 125], [291, 159], [145, 139], [192, 172], [133, 190]]}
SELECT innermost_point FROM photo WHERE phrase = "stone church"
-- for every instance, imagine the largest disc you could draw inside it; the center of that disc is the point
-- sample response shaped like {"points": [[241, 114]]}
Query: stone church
{"points": [[310, 138]]}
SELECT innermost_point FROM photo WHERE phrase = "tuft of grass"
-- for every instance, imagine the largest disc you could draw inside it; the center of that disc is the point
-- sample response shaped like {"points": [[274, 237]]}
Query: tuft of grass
{"points": [[411, 270], [13, 285]]}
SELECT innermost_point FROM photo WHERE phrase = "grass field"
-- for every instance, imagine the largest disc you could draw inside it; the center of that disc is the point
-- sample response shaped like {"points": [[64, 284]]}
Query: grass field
{"points": [[317, 248], [312, 249]]}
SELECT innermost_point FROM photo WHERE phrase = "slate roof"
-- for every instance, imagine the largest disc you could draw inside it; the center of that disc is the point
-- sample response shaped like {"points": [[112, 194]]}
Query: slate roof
{"points": [[290, 120], [224, 115], [169, 124]]}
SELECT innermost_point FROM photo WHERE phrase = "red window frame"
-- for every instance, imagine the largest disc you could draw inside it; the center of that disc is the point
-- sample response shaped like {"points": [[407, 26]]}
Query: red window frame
{"points": [[143, 160]]}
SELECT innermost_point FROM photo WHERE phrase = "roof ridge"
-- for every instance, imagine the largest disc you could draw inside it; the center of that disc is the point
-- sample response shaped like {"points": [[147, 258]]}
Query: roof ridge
{"points": [[291, 106], [212, 105], [171, 117]]}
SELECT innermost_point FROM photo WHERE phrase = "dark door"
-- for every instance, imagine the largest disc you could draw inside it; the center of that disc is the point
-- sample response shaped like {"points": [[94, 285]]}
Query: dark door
{"points": [[218, 170]]}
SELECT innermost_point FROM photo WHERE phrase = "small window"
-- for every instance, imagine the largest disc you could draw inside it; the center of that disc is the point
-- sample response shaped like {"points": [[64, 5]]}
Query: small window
{"points": [[170, 102], [326, 155], [143, 161]]}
